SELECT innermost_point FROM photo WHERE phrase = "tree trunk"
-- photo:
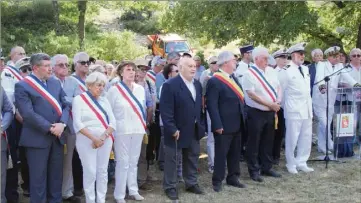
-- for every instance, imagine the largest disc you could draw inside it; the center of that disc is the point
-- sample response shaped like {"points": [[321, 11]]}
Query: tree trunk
{"points": [[358, 42], [81, 23], [56, 16]]}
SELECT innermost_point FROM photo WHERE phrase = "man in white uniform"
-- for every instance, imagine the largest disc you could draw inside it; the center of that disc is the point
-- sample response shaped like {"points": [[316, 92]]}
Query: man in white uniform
{"points": [[325, 68], [297, 105], [246, 54]]}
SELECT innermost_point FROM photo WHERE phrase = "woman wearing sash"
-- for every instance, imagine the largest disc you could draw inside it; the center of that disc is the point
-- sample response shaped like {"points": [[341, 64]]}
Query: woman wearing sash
{"points": [[94, 124], [127, 100]]}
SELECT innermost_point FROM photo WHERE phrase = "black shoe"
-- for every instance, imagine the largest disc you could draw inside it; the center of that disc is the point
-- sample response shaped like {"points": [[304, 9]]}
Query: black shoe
{"points": [[78, 193], [161, 167], [73, 199], [241, 158], [257, 178], [195, 189], [217, 188], [236, 183], [171, 193], [271, 173]]}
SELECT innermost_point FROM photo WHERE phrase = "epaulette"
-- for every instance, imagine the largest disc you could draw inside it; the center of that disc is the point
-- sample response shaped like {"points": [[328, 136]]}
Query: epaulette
{"points": [[8, 75], [286, 67]]}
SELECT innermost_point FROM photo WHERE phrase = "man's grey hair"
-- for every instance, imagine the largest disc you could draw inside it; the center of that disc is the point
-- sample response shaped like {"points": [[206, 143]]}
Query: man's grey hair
{"points": [[96, 68], [56, 57], [156, 61], [354, 50], [95, 78], [78, 55], [259, 51], [316, 51], [224, 56], [37, 58], [173, 55]]}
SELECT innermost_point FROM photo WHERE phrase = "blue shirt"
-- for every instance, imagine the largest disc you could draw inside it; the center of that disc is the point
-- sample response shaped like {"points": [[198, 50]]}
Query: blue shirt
{"points": [[148, 98], [159, 80], [199, 72]]}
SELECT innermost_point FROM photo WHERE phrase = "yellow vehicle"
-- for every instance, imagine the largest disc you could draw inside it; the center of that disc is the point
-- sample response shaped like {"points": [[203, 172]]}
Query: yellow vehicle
{"points": [[161, 45]]}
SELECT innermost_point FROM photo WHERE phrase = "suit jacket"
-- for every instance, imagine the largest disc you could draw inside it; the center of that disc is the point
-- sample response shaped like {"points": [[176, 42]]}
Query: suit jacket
{"points": [[38, 114], [225, 108], [180, 112], [7, 116], [312, 71]]}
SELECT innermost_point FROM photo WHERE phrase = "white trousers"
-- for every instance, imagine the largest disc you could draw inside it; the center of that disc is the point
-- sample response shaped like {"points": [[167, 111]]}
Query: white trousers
{"points": [[68, 183], [127, 151], [210, 142], [95, 168], [320, 112], [298, 133]]}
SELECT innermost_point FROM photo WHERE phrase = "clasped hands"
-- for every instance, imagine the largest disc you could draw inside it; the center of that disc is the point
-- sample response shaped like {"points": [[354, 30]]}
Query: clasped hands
{"points": [[57, 129], [99, 141]]}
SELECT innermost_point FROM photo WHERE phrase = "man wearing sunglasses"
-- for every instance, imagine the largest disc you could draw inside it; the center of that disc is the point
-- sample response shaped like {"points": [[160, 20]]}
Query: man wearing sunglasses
{"points": [[73, 86], [325, 68]]}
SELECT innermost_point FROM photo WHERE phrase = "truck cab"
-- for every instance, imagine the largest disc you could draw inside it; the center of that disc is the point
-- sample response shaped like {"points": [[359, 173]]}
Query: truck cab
{"points": [[161, 45]]}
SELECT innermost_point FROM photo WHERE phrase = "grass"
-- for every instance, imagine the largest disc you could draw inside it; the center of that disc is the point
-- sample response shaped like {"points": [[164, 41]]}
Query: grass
{"points": [[341, 182]]}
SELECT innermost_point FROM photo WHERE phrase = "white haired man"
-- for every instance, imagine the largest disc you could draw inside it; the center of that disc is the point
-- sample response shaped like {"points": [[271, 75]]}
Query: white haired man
{"points": [[317, 56], [263, 97]]}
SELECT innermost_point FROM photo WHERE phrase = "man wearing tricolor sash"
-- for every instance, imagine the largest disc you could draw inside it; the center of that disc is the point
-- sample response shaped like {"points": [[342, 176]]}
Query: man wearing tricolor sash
{"points": [[6, 117], [41, 102], [263, 98], [297, 105], [73, 85], [225, 104]]}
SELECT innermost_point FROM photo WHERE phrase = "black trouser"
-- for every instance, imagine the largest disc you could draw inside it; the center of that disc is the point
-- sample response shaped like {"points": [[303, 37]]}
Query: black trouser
{"points": [[261, 128], [279, 135], [154, 137], [24, 169], [226, 148], [77, 170]]}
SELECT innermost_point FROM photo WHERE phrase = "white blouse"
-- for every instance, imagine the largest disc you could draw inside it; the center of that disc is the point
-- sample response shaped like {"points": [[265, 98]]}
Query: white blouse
{"points": [[84, 117], [126, 119]]}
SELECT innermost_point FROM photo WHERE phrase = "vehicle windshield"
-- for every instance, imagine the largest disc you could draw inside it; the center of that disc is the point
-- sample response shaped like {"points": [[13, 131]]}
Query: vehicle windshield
{"points": [[180, 46]]}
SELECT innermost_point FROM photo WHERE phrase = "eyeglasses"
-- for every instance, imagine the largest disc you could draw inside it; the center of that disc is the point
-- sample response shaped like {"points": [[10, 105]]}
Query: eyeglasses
{"points": [[25, 70], [214, 62], [63, 65], [84, 62], [356, 55]]}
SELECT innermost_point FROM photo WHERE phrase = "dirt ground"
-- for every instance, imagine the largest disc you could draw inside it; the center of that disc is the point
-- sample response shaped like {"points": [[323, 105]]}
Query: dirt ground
{"points": [[341, 182]]}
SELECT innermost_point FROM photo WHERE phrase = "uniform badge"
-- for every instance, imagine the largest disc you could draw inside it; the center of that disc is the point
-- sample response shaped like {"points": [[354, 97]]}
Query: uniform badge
{"points": [[9, 75]]}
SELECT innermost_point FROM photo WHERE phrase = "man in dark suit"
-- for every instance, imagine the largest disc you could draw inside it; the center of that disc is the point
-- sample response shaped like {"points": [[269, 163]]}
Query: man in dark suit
{"points": [[225, 105], [41, 102], [317, 55], [181, 108], [7, 117]]}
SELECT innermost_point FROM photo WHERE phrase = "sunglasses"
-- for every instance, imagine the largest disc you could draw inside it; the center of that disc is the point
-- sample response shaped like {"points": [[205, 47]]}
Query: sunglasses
{"points": [[25, 70], [214, 62], [356, 55], [84, 62], [63, 65]]}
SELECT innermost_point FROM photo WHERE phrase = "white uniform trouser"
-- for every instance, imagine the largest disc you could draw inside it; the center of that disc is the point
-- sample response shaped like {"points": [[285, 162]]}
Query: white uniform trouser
{"points": [[298, 133], [210, 142], [68, 183], [95, 168], [127, 151], [320, 112]]}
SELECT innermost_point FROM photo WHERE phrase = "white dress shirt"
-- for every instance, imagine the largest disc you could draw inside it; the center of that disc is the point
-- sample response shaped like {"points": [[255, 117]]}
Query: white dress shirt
{"points": [[123, 111], [251, 83], [242, 68], [190, 86], [84, 117]]}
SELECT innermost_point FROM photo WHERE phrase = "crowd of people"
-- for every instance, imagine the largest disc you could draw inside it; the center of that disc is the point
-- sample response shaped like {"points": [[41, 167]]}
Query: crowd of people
{"points": [[71, 128]]}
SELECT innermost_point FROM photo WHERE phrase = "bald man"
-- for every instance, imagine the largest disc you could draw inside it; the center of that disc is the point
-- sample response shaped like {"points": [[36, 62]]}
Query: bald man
{"points": [[181, 109]]}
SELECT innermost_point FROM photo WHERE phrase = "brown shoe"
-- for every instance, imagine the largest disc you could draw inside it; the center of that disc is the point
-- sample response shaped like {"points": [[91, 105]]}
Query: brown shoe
{"points": [[146, 187]]}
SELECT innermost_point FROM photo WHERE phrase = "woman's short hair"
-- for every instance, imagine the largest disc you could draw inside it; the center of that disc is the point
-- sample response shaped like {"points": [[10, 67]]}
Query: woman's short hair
{"points": [[168, 69], [94, 78], [123, 64], [96, 68]]}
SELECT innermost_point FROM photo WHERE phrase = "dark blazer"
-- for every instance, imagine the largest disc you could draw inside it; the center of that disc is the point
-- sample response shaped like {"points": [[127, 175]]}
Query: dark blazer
{"points": [[224, 107], [7, 116], [179, 112], [312, 70], [38, 114]]}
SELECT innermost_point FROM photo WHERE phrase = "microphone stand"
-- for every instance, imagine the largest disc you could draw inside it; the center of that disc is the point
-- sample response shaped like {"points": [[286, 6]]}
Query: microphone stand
{"points": [[327, 79]]}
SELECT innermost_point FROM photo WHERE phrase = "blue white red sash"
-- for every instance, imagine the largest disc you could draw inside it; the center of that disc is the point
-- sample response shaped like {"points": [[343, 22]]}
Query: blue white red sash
{"points": [[80, 82], [14, 72], [265, 84], [33, 82], [133, 101], [98, 110], [151, 75]]}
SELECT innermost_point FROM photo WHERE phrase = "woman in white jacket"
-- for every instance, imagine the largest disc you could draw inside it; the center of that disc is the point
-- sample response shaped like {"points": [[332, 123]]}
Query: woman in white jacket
{"points": [[127, 100], [94, 123]]}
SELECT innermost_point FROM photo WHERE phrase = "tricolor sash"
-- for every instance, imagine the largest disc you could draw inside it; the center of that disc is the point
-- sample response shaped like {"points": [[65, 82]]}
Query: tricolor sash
{"points": [[151, 76], [97, 109], [80, 82], [231, 84], [133, 101], [39, 87], [14, 72], [265, 84]]}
